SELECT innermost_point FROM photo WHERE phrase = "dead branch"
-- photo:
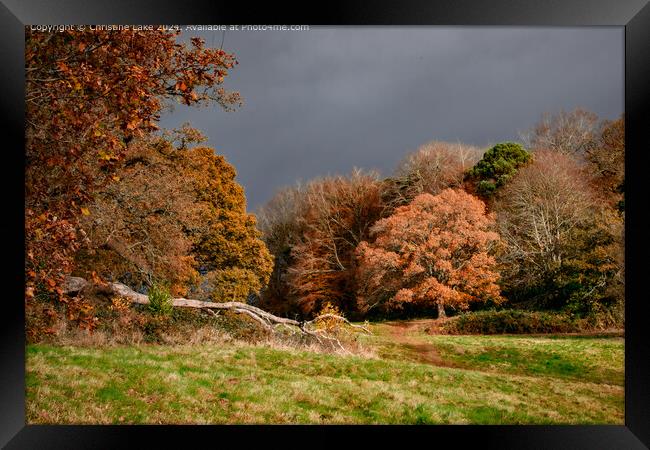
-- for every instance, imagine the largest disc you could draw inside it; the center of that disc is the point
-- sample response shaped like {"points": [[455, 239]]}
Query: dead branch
{"points": [[255, 317]]}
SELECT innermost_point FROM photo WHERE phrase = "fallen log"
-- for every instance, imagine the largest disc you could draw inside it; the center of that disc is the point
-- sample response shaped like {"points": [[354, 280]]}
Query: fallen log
{"points": [[267, 320]]}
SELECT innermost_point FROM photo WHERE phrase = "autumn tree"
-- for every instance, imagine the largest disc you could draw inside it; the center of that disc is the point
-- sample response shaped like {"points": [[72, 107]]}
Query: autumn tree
{"points": [[88, 95], [336, 216], [137, 226], [176, 215], [430, 169], [561, 241], [496, 167], [606, 157], [433, 252], [568, 133], [281, 226], [227, 246]]}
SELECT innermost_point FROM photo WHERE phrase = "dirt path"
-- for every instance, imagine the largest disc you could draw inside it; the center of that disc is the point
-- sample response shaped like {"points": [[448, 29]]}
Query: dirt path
{"points": [[402, 334], [405, 334]]}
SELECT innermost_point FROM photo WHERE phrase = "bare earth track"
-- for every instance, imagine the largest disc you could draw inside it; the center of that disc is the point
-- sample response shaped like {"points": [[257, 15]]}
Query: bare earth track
{"points": [[422, 351], [405, 334]]}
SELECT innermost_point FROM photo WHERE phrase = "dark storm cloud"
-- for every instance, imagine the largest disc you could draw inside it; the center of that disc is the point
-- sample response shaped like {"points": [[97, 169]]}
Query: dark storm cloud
{"points": [[322, 101]]}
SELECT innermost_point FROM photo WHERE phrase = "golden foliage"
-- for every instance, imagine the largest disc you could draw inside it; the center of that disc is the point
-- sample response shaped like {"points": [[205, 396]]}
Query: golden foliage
{"points": [[173, 212]]}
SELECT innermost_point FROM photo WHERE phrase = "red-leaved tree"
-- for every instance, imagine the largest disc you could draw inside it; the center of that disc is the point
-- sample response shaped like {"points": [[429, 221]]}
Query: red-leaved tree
{"points": [[336, 216], [89, 95], [434, 251]]}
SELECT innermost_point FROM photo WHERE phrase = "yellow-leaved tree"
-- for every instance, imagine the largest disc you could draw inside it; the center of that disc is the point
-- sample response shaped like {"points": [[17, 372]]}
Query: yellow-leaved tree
{"points": [[177, 215], [228, 247]]}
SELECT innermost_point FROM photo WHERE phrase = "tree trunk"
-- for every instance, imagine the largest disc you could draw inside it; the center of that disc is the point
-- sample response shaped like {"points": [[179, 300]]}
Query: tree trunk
{"points": [[441, 311]]}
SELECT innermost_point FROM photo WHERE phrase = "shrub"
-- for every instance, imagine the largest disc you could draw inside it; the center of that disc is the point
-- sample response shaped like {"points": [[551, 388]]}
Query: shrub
{"points": [[512, 322], [160, 300], [329, 324], [612, 317]]}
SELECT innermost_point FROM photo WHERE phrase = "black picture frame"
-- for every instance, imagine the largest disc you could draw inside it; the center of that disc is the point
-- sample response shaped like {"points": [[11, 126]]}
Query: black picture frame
{"points": [[634, 15]]}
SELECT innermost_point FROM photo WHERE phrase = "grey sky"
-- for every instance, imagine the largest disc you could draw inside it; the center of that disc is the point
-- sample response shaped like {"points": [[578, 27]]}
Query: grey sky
{"points": [[326, 100]]}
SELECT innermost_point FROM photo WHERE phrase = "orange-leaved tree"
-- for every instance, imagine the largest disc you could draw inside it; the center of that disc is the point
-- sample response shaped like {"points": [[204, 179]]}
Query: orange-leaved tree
{"points": [[434, 251], [282, 228], [606, 158]]}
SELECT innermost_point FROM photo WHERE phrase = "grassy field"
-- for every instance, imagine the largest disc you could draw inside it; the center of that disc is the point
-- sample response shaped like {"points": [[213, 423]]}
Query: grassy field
{"points": [[414, 378]]}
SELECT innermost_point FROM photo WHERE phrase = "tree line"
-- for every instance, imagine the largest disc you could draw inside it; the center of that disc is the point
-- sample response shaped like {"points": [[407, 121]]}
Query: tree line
{"points": [[110, 197], [537, 223]]}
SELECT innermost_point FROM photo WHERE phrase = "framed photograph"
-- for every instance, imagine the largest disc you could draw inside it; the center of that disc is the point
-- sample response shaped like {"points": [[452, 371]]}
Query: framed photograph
{"points": [[423, 221]]}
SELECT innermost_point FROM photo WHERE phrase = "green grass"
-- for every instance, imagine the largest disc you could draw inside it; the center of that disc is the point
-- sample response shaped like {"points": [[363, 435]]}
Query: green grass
{"points": [[515, 380], [597, 360]]}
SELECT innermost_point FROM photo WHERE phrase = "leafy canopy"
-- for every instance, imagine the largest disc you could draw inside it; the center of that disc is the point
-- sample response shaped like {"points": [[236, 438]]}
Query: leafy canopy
{"points": [[434, 251], [88, 96], [497, 166]]}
